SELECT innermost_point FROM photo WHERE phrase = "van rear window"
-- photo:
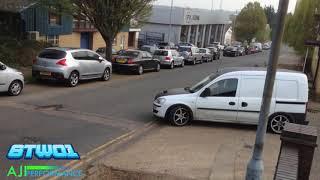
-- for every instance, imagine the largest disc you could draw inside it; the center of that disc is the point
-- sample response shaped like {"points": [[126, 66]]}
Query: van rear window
{"points": [[52, 54]]}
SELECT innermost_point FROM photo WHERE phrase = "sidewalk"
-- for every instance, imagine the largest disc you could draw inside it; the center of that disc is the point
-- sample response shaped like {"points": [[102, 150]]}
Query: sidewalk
{"points": [[199, 151]]}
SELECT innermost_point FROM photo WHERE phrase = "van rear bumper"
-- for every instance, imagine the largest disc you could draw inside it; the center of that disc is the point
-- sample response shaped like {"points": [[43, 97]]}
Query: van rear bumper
{"points": [[300, 118]]}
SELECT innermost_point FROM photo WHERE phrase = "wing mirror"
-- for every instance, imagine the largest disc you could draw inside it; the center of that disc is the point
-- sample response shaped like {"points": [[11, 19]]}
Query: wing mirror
{"points": [[206, 93], [3, 67], [100, 59]]}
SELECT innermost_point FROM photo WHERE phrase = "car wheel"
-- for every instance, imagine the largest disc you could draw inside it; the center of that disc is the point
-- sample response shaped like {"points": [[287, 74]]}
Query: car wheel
{"points": [[158, 67], [201, 61], [140, 70], [106, 75], [194, 62], [179, 116], [15, 88], [277, 122], [172, 65], [182, 63], [73, 79]]}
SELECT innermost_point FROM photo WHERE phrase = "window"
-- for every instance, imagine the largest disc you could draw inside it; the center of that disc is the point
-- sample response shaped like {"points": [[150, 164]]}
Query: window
{"points": [[92, 56], [148, 55], [52, 54], [224, 88], [54, 19], [54, 40], [80, 55]]}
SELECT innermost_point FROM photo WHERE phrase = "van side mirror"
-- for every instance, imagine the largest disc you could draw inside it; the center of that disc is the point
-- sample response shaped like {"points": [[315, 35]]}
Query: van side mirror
{"points": [[206, 93], [3, 67]]}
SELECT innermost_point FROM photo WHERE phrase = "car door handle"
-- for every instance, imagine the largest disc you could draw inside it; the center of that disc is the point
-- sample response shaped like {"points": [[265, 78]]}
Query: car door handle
{"points": [[232, 103], [244, 104]]}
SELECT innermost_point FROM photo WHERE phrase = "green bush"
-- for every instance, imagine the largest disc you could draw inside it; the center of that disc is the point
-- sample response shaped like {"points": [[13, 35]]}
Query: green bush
{"points": [[19, 53]]}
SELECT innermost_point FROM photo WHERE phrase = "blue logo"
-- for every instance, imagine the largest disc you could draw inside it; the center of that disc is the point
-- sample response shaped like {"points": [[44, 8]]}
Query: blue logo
{"points": [[42, 151]]}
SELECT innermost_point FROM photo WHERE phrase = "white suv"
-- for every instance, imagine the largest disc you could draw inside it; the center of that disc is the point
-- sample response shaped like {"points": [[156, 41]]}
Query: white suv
{"points": [[11, 80], [234, 96]]}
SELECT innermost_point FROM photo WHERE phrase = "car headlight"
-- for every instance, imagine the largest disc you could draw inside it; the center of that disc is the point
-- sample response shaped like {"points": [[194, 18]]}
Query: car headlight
{"points": [[160, 100]]}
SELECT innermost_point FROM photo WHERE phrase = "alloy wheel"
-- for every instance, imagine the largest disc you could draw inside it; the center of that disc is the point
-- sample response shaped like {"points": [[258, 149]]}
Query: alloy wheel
{"points": [[74, 79], [278, 122], [106, 74], [15, 88], [181, 116], [140, 71]]}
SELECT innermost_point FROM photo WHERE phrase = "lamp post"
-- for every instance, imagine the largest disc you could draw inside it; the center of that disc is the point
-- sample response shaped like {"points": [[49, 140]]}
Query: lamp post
{"points": [[255, 165], [170, 25]]}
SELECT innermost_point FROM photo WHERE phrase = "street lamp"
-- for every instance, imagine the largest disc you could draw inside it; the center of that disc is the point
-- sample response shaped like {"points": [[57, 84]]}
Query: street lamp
{"points": [[255, 165], [170, 25]]}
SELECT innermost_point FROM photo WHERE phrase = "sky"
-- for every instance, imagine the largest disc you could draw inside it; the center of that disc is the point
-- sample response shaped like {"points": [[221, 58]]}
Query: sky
{"points": [[233, 5]]}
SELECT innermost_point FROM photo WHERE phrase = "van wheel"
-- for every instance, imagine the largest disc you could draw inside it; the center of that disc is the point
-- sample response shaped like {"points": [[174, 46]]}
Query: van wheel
{"points": [[179, 116], [277, 122]]}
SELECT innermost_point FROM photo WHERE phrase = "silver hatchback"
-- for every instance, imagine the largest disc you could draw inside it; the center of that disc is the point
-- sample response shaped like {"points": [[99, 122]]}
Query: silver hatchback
{"points": [[70, 65]]}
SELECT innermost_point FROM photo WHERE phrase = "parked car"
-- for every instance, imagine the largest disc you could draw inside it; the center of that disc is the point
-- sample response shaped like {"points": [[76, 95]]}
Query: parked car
{"points": [[166, 45], [170, 58], [242, 51], [71, 65], [136, 61], [148, 48], [231, 51], [228, 96], [206, 54], [253, 49], [217, 45], [102, 52], [215, 53], [185, 44], [11, 80], [190, 54], [258, 46], [266, 46]]}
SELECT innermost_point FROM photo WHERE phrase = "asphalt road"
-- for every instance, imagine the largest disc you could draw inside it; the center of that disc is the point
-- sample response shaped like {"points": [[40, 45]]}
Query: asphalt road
{"points": [[94, 112]]}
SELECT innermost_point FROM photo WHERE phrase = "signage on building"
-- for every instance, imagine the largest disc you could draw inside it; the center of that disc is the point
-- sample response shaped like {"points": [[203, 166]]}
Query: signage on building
{"points": [[190, 17]]}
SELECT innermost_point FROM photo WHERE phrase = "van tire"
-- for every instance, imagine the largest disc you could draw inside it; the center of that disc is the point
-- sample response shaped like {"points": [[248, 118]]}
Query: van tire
{"points": [[277, 121], [177, 112]]}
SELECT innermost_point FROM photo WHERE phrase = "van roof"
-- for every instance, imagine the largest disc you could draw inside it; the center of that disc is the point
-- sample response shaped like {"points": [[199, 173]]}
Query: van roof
{"points": [[254, 71]]}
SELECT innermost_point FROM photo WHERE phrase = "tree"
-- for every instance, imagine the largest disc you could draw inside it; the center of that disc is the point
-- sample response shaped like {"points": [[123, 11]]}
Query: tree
{"points": [[301, 25], [108, 16], [251, 22], [271, 15]]}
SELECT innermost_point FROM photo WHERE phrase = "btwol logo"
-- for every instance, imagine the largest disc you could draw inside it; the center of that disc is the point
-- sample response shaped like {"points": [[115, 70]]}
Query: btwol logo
{"points": [[42, 151]]}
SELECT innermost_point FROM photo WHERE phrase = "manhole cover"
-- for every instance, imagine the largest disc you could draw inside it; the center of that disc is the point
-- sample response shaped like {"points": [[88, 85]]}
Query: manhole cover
{"points": [[48, 107], [314, 111], [31, 140]]}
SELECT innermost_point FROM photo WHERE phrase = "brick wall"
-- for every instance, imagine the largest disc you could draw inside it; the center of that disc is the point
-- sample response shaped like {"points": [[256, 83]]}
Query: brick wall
{"points": [[71, 40]]}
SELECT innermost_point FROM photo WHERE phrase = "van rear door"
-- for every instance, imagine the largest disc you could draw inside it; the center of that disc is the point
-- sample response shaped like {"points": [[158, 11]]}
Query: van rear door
{"points": [[250, 99]]}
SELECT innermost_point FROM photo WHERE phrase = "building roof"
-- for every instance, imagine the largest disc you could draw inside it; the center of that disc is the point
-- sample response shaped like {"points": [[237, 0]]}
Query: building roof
{"points": [[188, 16]]}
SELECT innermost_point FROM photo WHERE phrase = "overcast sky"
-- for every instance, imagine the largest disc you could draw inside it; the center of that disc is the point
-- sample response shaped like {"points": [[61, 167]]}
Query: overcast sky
{"points": [[226, 4]]}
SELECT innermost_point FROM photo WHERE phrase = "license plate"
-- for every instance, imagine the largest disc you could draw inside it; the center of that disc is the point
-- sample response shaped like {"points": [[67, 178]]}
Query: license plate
{"points": [[45, 73], [121, 61]]}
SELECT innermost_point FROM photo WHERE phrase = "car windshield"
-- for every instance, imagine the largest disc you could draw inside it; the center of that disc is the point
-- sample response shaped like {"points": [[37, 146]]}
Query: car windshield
{"points": [[182, 49], [101, 50], [130, 53], [145, 48], [202, 50], [230, 48], [52, 54], [203, 83], [161, 53]]}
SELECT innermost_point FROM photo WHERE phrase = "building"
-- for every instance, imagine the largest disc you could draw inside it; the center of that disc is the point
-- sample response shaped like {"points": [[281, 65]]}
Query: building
{"points": [[41, 24], [197, 26]]}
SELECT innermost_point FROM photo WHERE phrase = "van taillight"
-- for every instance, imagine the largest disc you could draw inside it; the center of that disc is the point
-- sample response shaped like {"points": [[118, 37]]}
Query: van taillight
{"points": [[62, 62], [168, 58]]}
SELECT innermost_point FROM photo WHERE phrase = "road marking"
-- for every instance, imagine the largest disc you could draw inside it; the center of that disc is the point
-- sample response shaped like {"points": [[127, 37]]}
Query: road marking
{"points": [[97, 152]]}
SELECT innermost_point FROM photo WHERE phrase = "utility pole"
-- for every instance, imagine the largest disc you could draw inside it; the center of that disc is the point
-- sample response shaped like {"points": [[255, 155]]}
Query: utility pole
{"points": [[255, 165], [170, 26]]}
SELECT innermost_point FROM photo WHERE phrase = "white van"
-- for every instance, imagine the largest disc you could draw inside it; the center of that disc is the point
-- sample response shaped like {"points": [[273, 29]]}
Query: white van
{"points": [[234, 95]]}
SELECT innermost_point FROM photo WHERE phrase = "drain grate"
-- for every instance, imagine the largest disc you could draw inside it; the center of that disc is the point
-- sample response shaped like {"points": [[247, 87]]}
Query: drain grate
{"points": [[313, 111], [31, 140], [48, 107]]}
